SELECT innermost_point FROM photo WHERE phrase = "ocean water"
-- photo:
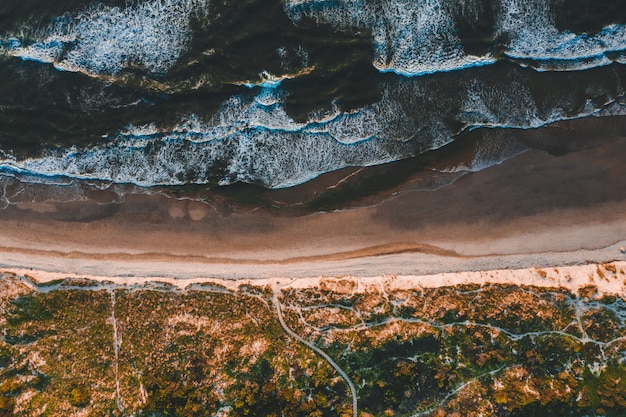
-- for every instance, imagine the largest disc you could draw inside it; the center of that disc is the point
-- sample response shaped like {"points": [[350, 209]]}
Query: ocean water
{"points": [[176, 93]]}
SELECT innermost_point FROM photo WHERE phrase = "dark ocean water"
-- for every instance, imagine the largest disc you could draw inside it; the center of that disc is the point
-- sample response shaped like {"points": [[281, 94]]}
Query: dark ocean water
{"points": [[276, 93]]}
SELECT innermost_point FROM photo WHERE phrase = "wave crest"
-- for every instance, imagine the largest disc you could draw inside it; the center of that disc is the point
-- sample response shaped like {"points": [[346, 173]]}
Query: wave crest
{"points": [[107, 40], [421, 37], [251, 138]]}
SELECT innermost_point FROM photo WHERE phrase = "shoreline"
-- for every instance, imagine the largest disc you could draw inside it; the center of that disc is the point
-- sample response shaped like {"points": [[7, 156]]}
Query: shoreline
{"points": [[533, 210]]}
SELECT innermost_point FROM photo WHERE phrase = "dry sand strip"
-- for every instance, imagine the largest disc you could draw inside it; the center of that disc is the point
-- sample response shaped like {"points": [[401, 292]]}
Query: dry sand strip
{"points": [[603, 279], [609, 278]]}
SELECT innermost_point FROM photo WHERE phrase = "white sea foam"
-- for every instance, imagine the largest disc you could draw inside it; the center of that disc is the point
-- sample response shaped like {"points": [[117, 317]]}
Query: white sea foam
{"points": [[614, 108], [106, 40], [409, 37], [416, 37], [255, 139], [512, 105], [533, 35], [251, 137]]}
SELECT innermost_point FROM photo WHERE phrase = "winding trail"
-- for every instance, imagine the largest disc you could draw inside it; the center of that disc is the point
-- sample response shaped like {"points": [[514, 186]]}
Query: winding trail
{"points": [[456, 391], [578, 306], [317, 350]]}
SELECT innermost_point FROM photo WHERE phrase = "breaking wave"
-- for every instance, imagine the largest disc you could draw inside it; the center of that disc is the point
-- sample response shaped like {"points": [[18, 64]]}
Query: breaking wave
{"points": [[421, 37], [251, 138], [106, 40], [533, 36]]}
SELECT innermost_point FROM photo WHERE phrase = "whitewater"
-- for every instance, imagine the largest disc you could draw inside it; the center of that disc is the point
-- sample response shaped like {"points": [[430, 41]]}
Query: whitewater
{"points": [[525, 73]]}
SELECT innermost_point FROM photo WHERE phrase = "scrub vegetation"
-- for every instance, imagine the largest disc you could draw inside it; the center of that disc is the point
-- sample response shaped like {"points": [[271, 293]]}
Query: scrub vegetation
{"points": [[493, 350]]}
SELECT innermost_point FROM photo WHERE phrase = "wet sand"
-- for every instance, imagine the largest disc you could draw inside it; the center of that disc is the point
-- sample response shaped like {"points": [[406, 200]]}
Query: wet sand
{"points": [[532, 210]]}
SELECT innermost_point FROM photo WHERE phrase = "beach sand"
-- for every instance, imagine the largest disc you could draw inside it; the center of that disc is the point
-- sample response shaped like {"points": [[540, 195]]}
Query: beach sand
{"points": [[534, 210]]}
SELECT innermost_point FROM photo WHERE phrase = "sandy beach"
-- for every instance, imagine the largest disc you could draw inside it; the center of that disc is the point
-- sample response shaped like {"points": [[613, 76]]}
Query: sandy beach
{"points": [[534, 210]]}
